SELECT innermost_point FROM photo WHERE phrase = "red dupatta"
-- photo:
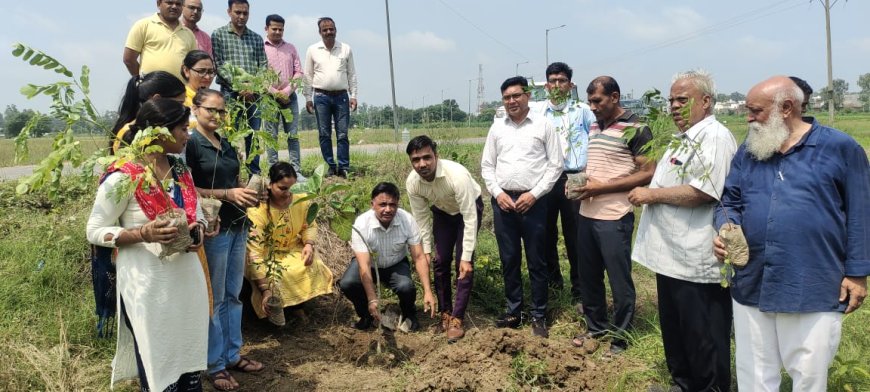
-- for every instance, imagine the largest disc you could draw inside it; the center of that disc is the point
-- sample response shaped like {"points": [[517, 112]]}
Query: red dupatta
{"points": [[154, 201]]}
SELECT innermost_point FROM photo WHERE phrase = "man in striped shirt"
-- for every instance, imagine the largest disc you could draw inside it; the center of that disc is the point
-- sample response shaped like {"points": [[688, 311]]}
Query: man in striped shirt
{"points": [[615, 166]]}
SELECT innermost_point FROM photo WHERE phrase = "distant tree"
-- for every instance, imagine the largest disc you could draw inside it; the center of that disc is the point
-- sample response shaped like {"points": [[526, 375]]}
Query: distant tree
{"points": [[736, 97], [2, 121], [16, 122], [720, 97], [864, 84], [840, 89]]}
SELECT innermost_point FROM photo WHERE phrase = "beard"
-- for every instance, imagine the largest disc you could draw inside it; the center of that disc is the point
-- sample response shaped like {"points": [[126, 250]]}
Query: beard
{"points": [[763, 140]]}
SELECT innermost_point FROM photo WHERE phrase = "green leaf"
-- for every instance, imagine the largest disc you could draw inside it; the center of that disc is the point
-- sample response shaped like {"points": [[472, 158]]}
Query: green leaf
{"points": [[22, 188], [312, 212], [337, 187], [85, 79], [36, 59], [29, 91], [17, 50], [27, 54]]}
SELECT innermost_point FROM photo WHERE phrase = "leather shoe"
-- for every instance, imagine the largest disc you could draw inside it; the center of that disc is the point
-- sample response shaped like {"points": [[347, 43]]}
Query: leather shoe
{"points": [[455, 331], [443, 325], [539, 328], [343, 173], [364, 323], [508, 320]]}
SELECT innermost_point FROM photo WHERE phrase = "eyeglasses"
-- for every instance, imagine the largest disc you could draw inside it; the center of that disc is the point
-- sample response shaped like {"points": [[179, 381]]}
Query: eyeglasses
{"points": [[213, 111], [194, 8], [512, 97], [558, 81], [204, 71]]}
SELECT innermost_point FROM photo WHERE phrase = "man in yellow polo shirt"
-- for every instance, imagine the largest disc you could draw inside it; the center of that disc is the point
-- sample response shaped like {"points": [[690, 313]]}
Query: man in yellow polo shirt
{"points": [[159, 42]]}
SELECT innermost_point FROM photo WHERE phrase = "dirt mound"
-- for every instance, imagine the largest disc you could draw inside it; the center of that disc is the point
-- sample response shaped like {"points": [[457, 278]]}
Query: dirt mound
{"points": [[499, 359]]}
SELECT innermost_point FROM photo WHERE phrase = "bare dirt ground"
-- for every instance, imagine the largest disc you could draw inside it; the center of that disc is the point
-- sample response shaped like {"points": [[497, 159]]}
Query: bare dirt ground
{"points": [[325, 354]]}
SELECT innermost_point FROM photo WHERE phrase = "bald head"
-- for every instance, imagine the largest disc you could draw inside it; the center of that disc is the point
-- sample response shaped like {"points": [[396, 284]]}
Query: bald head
{"points": [[778, 92]]}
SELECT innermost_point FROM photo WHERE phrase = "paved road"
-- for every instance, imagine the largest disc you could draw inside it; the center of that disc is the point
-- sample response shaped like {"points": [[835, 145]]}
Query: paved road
{"points": [[16, 172]]}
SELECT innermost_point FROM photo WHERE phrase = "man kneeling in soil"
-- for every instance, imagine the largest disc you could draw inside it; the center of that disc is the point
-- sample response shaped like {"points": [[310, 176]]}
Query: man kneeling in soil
{"points": [[386, 233], [445, 200]]}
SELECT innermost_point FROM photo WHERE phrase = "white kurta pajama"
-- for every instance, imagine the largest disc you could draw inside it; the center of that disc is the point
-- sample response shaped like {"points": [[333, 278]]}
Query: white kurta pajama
{"points": [[166, 300]]}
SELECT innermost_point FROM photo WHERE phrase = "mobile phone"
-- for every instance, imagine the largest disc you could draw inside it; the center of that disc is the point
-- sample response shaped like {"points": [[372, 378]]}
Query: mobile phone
{"points": [[195, 234]]}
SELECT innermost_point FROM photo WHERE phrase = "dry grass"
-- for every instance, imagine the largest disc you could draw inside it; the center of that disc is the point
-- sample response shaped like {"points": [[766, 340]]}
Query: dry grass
{"points": [[61, 368]]}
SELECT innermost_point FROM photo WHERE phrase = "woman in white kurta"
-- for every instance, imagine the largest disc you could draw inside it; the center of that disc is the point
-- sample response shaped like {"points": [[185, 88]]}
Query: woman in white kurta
{"points": [[164, 301]]}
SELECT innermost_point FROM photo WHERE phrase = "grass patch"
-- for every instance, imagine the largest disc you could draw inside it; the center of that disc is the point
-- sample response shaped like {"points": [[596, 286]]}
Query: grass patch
{"points": [[46, 298]]}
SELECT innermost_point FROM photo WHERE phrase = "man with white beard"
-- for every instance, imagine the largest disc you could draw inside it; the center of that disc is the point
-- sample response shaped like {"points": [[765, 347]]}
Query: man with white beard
{"points": [[801, 193]]}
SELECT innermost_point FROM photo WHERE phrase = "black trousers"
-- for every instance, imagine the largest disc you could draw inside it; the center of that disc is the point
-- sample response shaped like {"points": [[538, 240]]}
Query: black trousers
{"points": [[696, 331], [606, 246], [561, 207], [397, 276], [512, 231]]}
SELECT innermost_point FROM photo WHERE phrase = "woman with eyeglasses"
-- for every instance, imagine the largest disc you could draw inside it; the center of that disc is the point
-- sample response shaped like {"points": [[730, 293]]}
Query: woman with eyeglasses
{"points": [[215, 166], [279, 221], [198, 71]]}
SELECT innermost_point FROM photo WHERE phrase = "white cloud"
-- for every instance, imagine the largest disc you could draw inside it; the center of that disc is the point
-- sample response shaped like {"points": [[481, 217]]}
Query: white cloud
{"points": [[424, 42], [755, 49], [671, 23]]}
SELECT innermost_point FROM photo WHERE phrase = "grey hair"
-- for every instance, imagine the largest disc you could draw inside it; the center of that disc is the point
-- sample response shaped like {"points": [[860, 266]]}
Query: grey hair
{"points": [[701, 79], [792, 92]]}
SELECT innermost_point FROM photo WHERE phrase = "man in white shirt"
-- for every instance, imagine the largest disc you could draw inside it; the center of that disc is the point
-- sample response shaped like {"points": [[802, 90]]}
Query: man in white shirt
{"points": [[521, 161], [674, 234], [446, 203], [388, 232], [330, 92]]}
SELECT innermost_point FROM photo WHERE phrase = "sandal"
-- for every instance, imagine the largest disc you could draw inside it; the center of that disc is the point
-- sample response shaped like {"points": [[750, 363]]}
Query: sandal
{"points": [[247, 365], [223, 381]]}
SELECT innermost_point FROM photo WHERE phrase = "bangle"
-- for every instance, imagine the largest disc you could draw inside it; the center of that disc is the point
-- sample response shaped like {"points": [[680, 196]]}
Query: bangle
{"points": [[225, 194], [141, 236], [373, 301]]}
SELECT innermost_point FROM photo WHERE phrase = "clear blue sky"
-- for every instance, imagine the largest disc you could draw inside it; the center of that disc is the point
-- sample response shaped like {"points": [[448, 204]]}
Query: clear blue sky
{"points": [[438, 44]]}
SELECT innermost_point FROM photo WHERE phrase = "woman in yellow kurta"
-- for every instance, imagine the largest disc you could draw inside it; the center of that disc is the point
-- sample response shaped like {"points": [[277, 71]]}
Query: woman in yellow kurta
{"points": [[302, 275]]}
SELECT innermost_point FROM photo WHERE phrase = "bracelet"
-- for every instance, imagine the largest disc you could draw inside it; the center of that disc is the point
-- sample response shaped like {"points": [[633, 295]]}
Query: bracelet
{"points": [[141, 236], [226, 191], [373, 301]]}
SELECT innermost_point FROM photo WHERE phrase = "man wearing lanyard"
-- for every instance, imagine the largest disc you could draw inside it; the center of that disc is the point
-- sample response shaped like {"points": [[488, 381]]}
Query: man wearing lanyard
{"points": [[571, 119]]}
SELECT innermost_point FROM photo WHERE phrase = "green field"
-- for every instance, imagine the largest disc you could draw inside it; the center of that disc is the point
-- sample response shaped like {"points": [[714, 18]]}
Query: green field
{"points": [[47, 303], [40, 147]]}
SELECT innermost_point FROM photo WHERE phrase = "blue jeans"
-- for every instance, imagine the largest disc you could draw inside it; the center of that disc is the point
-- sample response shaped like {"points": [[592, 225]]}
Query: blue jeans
{"points": [[329, 108], [291, 128], [252, 113], [226, 265]]}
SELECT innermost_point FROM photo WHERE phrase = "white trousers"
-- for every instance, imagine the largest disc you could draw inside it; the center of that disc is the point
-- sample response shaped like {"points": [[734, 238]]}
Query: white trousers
{"points": [[803, 343]]}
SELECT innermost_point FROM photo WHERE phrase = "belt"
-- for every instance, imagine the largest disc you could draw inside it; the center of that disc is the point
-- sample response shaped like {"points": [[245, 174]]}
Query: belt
{"points": [[570, 171], [330, 92], [514, 193]]}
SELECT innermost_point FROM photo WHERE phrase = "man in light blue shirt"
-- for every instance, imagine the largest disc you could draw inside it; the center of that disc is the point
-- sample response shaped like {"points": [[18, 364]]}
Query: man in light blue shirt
{"points": [[571, 119]]}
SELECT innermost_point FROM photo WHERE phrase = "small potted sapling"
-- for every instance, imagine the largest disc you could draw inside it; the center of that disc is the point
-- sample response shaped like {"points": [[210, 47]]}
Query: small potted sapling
{"points": [[137, 152], [272, 269]]}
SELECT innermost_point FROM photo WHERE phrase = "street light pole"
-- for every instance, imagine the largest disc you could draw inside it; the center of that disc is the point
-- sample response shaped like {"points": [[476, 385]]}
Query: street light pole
{"points": [[469, 102], [830, 66], [392, 75], [517, 68], [547, 44]]}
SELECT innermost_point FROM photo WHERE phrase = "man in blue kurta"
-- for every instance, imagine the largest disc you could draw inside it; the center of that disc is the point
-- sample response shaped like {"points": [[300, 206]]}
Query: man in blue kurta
{"points": [[801, 192]]}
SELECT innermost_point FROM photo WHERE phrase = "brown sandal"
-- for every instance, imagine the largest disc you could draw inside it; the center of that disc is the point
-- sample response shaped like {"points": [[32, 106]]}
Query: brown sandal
{"points": [[247, 365], [224, 378]]}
